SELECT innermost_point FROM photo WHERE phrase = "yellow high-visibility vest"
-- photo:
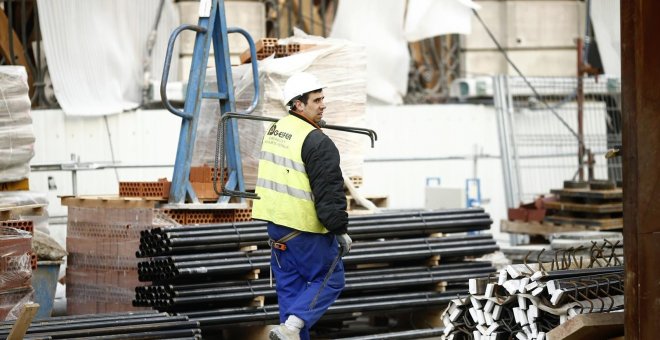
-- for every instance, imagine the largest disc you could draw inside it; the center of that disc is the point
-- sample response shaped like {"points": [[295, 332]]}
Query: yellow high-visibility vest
{"points": [[282, 182]]}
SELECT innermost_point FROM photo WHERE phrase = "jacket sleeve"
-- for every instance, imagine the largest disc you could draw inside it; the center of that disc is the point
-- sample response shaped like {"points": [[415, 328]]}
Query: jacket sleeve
{"points": [[321, 159]]}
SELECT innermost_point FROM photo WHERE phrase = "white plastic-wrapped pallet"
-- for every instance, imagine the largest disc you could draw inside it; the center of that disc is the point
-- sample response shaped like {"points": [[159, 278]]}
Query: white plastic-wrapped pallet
{"points": [[16, 134], [339, 64]]}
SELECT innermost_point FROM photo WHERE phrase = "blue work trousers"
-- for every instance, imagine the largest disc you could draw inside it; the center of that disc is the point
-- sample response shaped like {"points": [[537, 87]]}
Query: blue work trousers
{"points": [[299, 273]]}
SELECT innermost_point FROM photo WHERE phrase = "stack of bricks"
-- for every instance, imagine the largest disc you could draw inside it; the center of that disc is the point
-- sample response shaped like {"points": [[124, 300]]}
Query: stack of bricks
{"points": [[159, 190], [266, 47], [103, 235], [101, 273], [201, 179], [209, 216], [16, 265]]}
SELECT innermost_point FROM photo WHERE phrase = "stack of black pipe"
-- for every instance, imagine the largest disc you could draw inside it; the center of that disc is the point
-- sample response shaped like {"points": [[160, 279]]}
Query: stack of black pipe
{"points": [[230, 236], [198, 270], [133, 325], [179, 296]]}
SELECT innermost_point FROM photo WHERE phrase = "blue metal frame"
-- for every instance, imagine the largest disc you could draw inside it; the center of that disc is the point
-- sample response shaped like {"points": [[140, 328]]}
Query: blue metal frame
{"points": [[470, 185], [210, 29]]}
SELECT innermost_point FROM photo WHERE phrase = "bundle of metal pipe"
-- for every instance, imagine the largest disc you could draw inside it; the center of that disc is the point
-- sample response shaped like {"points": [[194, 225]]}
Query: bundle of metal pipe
{"points": [[526, 301], [225, 263], [227, 236], [343, 307], [171, 297], [133, 325], [193, 269]]}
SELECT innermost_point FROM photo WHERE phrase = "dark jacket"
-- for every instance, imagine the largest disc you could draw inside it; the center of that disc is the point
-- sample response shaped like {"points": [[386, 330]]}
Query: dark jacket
{"points": [[321, 159]]}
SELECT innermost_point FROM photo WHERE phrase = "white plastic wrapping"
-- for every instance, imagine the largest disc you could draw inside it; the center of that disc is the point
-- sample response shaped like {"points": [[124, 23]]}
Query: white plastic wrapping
{"points": [[339, 64], [15, 271], [96, 51], [378, 24], [16, 134], [26, 205], [430, 18], [20, 199]]}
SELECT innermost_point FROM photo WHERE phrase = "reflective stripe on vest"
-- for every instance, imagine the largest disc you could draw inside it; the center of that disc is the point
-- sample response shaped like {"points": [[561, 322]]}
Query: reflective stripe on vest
{"points": [[282, 183]]}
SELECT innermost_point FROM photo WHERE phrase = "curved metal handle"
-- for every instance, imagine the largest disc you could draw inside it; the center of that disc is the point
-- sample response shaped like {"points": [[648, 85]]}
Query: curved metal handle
{"points": [[363, 131], [166, 68], [220, 157], [255, 71]]}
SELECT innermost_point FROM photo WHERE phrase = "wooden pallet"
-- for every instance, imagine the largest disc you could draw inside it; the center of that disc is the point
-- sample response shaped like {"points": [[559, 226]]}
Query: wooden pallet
{"points": [[589, 326], [616, 207], [545, 228], [109, 202], [253, 332], [591, 223], [14, 212], [586, 193]]}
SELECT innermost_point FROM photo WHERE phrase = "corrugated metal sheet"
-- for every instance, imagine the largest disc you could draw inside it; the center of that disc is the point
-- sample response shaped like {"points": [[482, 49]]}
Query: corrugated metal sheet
{"points": [[95, 51]]}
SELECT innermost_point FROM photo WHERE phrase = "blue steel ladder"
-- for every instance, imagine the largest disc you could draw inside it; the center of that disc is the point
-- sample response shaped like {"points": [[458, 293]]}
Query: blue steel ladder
{"points": [[211, 28]]}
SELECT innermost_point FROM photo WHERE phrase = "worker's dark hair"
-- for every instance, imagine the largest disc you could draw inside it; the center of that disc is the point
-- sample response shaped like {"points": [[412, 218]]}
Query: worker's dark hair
{"points": [[304, 98]]}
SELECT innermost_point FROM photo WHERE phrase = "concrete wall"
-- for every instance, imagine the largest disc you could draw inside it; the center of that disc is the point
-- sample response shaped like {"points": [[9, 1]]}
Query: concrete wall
{"points": [[539, 37], [140, 137], [416, 142], [447, 136]]}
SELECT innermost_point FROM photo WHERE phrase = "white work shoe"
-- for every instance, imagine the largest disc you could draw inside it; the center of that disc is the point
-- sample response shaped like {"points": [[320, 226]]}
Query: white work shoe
{"points": [[283, 332]]}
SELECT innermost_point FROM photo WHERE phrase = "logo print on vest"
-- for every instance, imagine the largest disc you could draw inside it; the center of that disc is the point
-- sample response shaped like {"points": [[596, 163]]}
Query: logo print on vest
{"points": [[273, 131]]}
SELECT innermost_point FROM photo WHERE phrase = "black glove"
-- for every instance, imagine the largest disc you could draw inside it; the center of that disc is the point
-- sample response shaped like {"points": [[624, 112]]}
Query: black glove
{"points": [[345, 243]]}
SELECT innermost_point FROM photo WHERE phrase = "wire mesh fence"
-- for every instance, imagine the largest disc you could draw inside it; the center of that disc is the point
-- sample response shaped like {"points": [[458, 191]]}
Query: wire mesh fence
{"points": [[540, 132]]}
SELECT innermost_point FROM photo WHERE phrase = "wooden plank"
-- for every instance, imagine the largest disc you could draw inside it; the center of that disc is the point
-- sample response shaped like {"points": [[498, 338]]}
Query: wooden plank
{"points": [[22, 207], [611, 223], [640, 98], [581, 207], [378, 201], [19, 52], [429, 317], [23, 322], [535, 228], [108, 202], [21, 185], [585, 193], [649, 280], [258, 301], [311, 21], [14, 212], [255, 332], [589, 326]]}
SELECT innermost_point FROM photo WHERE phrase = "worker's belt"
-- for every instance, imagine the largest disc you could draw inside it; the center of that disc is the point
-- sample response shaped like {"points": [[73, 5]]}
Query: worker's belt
{"points": [[281, 243]]}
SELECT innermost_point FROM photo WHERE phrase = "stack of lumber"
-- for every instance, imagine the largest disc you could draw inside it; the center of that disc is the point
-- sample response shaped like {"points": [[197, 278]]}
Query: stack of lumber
{"points": [[579, 206]]}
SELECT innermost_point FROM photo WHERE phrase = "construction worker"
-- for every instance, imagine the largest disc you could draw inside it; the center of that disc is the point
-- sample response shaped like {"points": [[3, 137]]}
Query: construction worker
{"points": [[302, 198]]}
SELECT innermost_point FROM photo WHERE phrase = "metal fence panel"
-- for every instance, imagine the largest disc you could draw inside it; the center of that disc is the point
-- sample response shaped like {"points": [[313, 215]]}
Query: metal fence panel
{"points": [[539, 132]]}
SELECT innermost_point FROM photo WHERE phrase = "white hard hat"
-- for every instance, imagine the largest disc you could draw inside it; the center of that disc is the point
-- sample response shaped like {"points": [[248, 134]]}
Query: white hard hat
{"points": [[299, 84]]}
